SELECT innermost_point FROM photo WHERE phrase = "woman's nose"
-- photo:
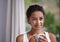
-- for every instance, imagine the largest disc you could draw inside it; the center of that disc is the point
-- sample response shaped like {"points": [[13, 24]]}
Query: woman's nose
{"points": [[38, 22]]}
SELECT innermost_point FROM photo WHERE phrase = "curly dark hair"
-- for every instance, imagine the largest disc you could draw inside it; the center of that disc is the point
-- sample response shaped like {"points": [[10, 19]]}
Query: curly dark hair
{"points": [[33, 8]]}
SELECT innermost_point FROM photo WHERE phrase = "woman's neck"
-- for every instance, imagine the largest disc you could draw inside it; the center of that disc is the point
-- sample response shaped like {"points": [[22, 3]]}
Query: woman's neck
{"points": [[36, 31]]}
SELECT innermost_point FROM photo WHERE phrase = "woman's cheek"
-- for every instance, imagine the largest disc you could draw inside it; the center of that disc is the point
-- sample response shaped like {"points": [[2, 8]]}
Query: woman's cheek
{"points": [[42, 22], [33, 23]]}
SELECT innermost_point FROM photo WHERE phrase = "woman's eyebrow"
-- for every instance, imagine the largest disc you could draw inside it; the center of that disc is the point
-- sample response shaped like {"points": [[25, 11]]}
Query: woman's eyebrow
{"points": [[33, 17]]}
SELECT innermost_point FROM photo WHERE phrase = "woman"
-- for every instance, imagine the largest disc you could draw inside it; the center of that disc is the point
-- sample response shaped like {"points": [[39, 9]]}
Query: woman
{"points": [[35, 16]]}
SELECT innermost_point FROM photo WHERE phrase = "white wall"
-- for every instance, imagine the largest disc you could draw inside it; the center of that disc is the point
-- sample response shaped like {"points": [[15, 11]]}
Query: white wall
{"points": [[3, 8]]}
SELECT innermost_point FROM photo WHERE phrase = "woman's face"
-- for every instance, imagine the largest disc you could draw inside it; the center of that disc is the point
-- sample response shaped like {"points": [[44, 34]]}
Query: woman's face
{"points": [[36, 20]]}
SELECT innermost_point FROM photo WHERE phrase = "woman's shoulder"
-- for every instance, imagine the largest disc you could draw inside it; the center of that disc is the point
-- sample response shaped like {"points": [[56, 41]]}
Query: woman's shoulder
{"points": [[19, 38], [52, 37]]}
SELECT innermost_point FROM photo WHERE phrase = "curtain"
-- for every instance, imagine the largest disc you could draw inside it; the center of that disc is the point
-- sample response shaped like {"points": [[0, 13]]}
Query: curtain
{"points": [[15, 23]]}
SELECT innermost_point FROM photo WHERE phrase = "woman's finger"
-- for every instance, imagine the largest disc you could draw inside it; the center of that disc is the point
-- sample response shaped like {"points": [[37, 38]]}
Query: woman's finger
{"points": [[43, 38]]}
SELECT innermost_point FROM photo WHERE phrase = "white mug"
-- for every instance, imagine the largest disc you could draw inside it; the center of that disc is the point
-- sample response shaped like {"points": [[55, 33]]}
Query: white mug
{"points": [[37, 36]]}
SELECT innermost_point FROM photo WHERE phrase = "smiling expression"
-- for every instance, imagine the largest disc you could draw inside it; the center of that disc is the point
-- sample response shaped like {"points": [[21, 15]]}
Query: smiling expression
{"points": [[36, 20]]}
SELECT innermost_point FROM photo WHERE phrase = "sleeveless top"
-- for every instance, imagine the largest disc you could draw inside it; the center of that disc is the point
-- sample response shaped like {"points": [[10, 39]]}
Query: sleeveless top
{"points": [[25, 38]]}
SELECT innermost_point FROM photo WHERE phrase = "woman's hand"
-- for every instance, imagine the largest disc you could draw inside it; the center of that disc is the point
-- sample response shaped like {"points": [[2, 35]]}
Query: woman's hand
{"points": [[32, 39], [42, 39]]}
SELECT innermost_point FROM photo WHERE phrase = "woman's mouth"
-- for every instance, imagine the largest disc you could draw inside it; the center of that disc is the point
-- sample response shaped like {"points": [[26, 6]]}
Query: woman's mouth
{"points": [[38, 26]]}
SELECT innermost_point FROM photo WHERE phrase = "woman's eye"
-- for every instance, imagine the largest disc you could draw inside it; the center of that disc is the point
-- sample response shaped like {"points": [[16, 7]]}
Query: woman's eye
{"points": [[41, 18]]}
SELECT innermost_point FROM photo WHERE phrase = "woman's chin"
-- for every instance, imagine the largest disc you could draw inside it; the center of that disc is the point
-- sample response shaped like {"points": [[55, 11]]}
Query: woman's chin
{"points": [[37, 27]]}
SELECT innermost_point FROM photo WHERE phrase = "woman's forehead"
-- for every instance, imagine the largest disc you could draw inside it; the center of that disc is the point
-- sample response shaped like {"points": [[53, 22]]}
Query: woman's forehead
{"points": [[37, 14]]}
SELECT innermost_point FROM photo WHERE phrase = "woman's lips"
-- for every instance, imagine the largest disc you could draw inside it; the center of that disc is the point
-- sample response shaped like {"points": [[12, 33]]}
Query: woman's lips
{"points": [[38, 26]]}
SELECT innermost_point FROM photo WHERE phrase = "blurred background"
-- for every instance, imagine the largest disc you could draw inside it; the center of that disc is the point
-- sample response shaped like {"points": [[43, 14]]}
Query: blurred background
{"points": [[52, 19]]}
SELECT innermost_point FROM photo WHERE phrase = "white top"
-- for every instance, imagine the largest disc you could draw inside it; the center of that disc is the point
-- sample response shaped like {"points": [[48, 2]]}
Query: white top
{"points": [[25, 38]]}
